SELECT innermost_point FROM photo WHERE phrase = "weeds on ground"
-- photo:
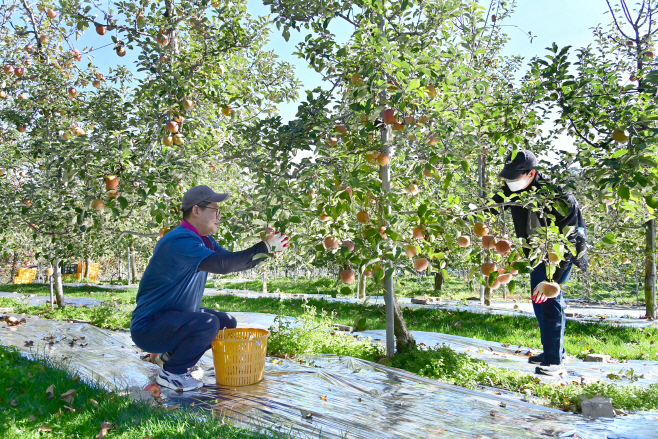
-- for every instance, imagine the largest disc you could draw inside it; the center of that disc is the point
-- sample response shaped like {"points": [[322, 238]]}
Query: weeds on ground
{"points": [[444, 364], [28, 411], [623, 343], [312, 334], [105, 316]]}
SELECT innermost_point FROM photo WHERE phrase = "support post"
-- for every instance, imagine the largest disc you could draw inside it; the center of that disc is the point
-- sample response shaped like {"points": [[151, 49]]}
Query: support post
{"points": [[650, 271], [128, 266], [389, 291], [481, 195], [50, 282]]}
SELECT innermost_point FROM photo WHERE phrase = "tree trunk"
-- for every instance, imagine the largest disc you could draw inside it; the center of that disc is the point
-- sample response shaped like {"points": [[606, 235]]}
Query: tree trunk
{"points": [[361, 290], [438, 281], [120, 276], [487, 296], [86, 272], [264, 282], [57, 280], [650, 271], [14, 266], [403, 338], [133, 264]]}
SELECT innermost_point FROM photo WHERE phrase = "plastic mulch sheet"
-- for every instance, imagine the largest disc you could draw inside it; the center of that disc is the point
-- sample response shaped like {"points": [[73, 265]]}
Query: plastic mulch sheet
{"points": [[35, 300], [327, 395], [608, 315]]}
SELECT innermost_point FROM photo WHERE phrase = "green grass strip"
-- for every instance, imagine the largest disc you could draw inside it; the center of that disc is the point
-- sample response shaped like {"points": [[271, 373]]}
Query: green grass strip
{"points": [[25, 408]]}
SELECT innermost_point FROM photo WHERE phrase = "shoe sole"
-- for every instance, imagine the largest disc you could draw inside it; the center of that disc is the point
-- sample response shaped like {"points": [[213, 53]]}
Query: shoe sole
{"points": [[164, 383]]}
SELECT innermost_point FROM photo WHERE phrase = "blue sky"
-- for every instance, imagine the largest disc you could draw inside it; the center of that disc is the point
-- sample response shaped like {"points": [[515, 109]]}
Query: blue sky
{"points": [[565, 22]]}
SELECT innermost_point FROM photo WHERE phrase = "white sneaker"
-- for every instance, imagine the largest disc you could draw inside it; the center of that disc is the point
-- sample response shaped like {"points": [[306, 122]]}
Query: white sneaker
{"points": [[183, 381]]}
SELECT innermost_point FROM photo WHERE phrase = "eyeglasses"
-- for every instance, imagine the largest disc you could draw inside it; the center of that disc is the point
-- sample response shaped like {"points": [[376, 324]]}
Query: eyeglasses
{"points": [[216, 209]]}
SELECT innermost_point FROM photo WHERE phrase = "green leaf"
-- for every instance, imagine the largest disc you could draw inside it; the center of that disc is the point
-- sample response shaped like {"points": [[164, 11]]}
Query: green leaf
{"points": [[378, 274], [609, 239], [360, 323], [447, 181], [624, 192], [123, 202], [421, 210], [511, 287], [346, 291], [652, 201]]}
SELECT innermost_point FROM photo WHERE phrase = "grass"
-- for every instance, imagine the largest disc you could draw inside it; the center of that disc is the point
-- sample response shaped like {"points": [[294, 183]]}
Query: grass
{"points": [[623, 343], [25, 408], [620, 291], [439, 362], [442, 363], [405, 287]]}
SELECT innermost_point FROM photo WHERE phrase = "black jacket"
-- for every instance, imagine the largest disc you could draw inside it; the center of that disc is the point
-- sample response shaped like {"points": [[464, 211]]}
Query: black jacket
{"points": [[574, 217]]}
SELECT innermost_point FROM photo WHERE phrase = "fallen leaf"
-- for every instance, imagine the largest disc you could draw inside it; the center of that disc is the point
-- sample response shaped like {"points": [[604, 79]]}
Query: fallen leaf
{"points": [[68, 396], [13, 403], [105, 427], [173, 407], [324, 398], [50, 391], [72, 410], [306, 414], [94, 402], [75, 379], [45, 428], [275, 361], [32, 418], [29, 343], [69, 393]]}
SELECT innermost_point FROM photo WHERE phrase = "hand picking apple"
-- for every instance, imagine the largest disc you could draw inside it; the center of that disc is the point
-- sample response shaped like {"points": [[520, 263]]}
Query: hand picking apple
{"points": [[277, 242]]}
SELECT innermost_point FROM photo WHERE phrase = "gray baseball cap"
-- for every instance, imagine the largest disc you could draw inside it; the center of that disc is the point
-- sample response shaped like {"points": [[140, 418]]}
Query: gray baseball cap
{"points": [[523, 162], [201, 194]]}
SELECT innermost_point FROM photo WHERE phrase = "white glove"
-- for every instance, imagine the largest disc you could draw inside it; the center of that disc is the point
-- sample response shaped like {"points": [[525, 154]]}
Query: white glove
{"points": [[276, 242]]}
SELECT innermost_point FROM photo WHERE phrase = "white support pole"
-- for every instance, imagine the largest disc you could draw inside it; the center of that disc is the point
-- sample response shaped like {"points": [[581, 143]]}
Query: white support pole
{"points": [[128, 266], [50, 281], [481, 194]]}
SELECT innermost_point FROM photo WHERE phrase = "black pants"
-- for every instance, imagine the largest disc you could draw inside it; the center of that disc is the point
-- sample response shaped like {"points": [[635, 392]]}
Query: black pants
{"points": [[550, 315], [186, 336]]}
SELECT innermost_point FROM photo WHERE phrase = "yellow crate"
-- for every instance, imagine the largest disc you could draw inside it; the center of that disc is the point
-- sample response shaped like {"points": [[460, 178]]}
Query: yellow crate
{"points": [[239, 356]]}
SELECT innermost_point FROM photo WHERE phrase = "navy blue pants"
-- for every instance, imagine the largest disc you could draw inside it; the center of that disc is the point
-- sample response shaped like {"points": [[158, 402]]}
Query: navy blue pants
{"points": [[550, 316], [185, 336]]}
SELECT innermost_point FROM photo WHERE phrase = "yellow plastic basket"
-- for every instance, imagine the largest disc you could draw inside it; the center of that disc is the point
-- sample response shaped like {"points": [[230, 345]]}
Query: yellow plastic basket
{"points": [[239, 356]]}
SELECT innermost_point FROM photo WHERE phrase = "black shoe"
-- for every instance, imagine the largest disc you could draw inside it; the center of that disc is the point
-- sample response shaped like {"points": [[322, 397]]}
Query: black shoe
{"points": [[539, 358], [551, 369]]}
